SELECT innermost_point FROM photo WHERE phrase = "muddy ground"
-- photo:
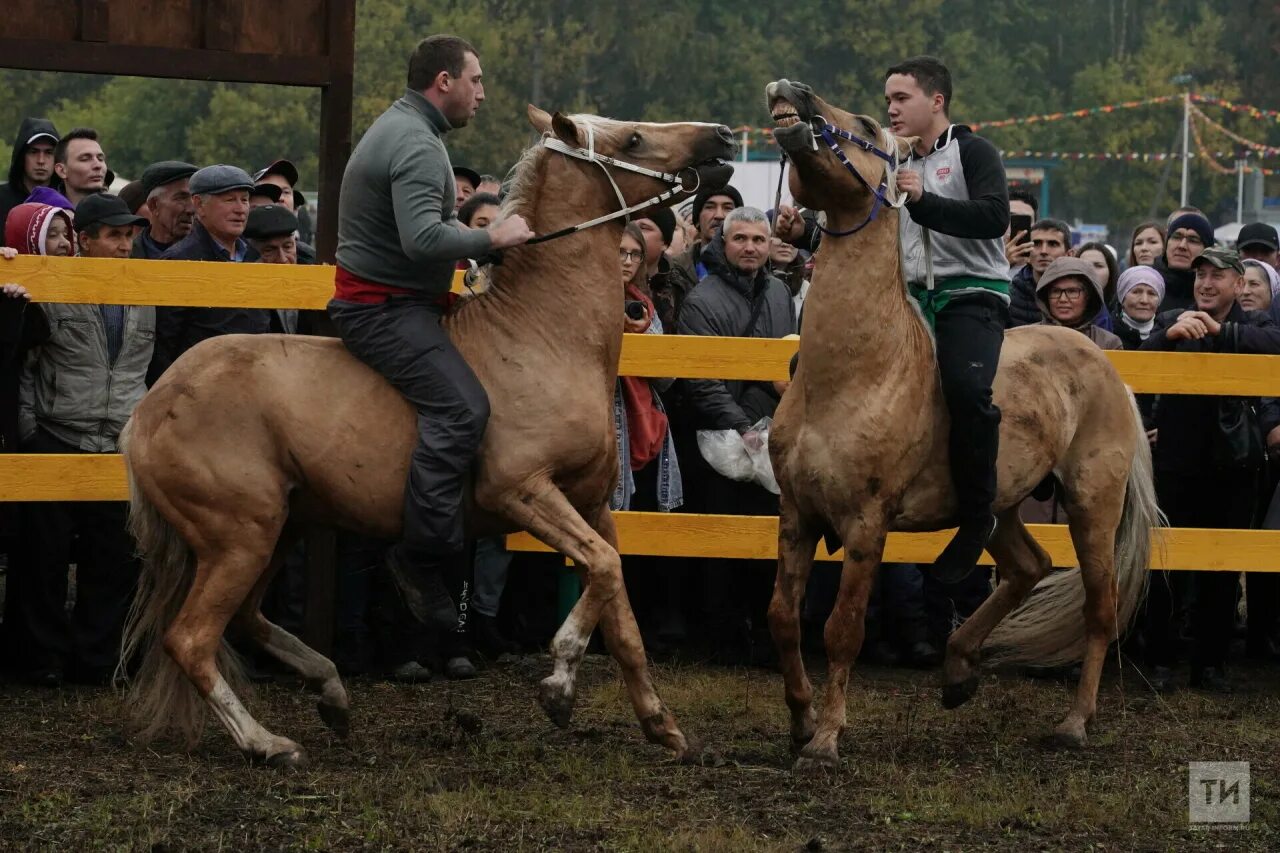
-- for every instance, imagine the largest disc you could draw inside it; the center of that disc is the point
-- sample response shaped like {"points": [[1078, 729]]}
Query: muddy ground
{"points": [[475, 765]]}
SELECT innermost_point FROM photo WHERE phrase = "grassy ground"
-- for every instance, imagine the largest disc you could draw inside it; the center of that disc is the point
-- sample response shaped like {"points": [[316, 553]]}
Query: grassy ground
{"points": [[475, 766]]}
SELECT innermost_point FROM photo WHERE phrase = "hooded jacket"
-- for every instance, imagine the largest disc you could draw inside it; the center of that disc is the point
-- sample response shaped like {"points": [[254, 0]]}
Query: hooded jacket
{"points": [[71, 387], [15, 192], [722, 305], [1094, 304]]}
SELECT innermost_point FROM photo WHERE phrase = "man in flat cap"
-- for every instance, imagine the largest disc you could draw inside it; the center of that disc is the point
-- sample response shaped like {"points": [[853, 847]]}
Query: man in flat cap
{"points": [[169, 207], [77, 392], [220, 195]]}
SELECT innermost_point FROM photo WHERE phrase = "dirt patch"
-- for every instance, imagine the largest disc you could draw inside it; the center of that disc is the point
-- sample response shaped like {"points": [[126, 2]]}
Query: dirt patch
{"points": [[449, 766]]}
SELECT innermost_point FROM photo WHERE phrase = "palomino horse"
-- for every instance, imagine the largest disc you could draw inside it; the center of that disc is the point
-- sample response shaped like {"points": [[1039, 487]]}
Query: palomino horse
{"points": [[859, 448], [245, 437]]}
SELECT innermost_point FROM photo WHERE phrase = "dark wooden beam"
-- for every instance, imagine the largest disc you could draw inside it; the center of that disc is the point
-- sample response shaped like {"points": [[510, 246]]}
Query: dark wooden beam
{"points": [[335, 122], [179, 63], [93, 20]]}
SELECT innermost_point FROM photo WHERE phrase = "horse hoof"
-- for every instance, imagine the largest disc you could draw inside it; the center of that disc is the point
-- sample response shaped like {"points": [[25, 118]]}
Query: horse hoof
{"points": [[815, 762], [700, 755], [556, 699], [1066, 739], [337, 718], [289, 759], [955, 695]]}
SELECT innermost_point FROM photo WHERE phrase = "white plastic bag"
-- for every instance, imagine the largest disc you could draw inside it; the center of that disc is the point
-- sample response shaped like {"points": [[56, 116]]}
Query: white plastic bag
{"points": [[729, 455]]}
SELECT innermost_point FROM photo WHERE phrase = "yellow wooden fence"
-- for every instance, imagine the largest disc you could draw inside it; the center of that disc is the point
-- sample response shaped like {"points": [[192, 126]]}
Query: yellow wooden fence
{"points": [[101, 477]]}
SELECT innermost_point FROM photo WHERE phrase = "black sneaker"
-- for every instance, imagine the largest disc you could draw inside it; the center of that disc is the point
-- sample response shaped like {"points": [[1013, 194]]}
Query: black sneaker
{"points": [[1210, 679], [423, 592], [488, 639], [958, 560], [1161, 679]]}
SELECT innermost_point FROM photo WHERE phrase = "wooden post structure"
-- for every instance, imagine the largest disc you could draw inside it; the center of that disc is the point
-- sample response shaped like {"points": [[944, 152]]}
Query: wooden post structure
{"points": [[222, 40]]}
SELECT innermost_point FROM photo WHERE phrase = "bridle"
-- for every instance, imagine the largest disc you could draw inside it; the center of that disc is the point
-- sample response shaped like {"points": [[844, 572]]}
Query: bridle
{"points": [[590, 155], [888, 185]]}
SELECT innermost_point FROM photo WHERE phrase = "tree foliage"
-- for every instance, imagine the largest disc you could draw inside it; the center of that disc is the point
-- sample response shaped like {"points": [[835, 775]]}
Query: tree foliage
{"points": [[701, 59]]}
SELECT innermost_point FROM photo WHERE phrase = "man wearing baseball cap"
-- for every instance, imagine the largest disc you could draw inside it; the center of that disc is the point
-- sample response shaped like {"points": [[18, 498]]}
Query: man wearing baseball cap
{"points": [[465, 183], [105, 227], [1258, 241], [169, 206], [81, 384], [1202, 478], [32, 163], [282, 174], [221, 197]]}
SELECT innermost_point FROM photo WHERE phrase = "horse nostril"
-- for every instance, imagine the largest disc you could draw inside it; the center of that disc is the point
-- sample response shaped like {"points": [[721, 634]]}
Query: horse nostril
{"points": [[725, 134]]}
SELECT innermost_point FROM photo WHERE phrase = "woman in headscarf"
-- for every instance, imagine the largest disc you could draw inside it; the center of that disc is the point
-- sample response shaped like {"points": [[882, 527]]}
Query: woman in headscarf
{"points": [[1261, 288], [1139, 291]]}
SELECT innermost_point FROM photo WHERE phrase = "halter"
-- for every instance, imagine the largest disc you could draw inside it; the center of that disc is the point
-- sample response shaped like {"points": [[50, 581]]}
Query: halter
{"points": [[888, 186], [590, 155]]}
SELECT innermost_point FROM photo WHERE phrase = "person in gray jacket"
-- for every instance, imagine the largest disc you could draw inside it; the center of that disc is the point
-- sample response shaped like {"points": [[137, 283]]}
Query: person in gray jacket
{"points": [[398, 243], [78, 390], [952, 230], [737, 298]]}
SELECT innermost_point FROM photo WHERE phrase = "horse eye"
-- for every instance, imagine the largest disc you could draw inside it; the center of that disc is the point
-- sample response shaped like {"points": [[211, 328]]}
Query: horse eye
{"points": [[634, 141]]}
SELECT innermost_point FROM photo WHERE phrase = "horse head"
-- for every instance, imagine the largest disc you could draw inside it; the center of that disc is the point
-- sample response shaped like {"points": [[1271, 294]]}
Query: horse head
{"points": [[819, 179], [642, 158]]}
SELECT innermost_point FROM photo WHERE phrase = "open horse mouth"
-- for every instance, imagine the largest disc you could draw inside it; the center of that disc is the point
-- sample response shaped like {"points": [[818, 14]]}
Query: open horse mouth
{"points": [[791, 107]]}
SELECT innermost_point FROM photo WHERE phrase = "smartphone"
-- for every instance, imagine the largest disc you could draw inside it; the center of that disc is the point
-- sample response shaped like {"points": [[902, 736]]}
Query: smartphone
{"points": [[1020, 222]]}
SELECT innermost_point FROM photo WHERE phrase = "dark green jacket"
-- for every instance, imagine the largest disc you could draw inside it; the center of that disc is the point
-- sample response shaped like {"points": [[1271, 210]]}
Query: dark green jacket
{"points": [[396, 222]]}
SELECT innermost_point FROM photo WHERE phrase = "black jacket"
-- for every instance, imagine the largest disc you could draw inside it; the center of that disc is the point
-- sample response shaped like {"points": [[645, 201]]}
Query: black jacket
{"points": [[668, 287], [1127, 334], [722, 305], [179, 329], [14, 191], [1188, 423], [1179, 287], [1024, 310]]}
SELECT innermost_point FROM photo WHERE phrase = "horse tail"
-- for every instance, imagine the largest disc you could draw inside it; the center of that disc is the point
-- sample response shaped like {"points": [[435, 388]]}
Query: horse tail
{"points": [[1048, 628], [160, 698]]}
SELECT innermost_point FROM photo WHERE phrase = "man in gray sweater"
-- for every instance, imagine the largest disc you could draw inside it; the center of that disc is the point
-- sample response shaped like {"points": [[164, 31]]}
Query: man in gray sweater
{"points": [[399, 241]]}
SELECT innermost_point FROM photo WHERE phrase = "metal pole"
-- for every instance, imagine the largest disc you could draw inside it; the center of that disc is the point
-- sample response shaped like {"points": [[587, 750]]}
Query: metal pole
{"points": [[1186, 133], [746, 143], [1240, 190]]}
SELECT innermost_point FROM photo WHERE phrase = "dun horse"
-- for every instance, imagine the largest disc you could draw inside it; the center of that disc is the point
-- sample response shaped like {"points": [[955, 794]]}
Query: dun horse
{"points": [[246, 437], [859, 448]]}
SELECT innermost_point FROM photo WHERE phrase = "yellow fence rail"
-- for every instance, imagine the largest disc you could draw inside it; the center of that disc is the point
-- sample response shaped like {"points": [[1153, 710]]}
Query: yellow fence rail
{"points": [[55, 477]]}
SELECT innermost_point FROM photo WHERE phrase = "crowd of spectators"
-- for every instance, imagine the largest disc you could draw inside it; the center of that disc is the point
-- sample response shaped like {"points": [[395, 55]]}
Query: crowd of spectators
{"points": [[70, 375]]}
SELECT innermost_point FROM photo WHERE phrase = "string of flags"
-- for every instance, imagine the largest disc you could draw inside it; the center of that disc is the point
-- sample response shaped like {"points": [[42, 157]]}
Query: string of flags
{"points": [[1105, 109], [1256, 149], [1261, 148]]}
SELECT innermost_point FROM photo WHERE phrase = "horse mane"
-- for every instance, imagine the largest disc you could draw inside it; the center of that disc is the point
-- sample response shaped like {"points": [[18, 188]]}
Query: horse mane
{"points": [[519, 182]]}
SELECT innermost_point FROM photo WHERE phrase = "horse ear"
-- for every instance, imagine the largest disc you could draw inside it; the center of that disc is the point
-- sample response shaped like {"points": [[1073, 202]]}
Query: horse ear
{"points": [[540, 119], [564, 128]]}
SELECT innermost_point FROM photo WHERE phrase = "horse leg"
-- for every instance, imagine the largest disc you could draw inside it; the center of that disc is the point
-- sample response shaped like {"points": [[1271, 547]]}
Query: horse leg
{"points": [[1021, 563], [843, 635], [1093, 530], [222, 582], [546, 513], [796, 546], [622, 637], [318, 672]]}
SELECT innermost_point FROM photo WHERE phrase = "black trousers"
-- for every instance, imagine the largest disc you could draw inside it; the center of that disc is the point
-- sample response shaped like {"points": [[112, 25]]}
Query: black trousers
{"points": [[969, 333], [402, 339], [1216, 500], [94, 537]]}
